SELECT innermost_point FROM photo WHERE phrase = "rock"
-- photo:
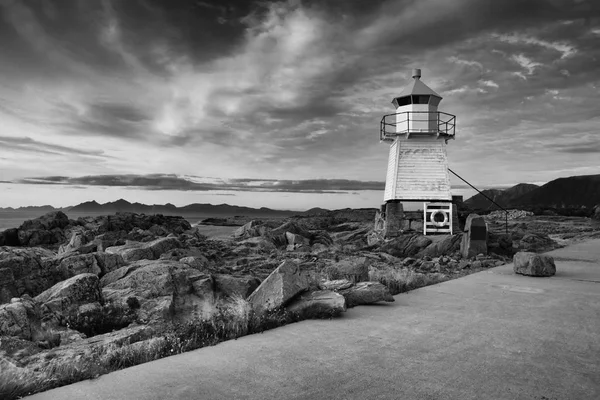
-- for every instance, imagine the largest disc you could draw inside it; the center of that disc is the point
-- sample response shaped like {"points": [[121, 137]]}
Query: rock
{"points": [[531, 264], [318, 304], [45, 230], [427, 265], [77, 240], [236, 285], [199, 262], [22, 272], [135, 251], [290, 227], [474, 239], [251, 229], [259, 242], [448, 245], [319, 248], [280, 286], [70, 264], [406, 245], [366, 293], [335, 285], [477, 264], [10, 237], [536, 242], [354, 269], [295, 239], [67, 296], [108, 262], [163, 289], [20, 318]]}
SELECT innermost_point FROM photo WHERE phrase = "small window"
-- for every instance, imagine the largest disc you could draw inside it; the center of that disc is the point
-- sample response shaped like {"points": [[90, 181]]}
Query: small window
{"points": [[434, 101], [403, 101], [418, 99]]}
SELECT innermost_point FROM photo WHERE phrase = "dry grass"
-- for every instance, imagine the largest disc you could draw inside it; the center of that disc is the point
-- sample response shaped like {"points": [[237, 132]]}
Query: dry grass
{"points": [[400, 280]]}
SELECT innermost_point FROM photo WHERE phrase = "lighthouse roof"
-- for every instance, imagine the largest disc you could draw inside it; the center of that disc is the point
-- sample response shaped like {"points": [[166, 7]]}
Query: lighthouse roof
{"points": [[418, 88]]}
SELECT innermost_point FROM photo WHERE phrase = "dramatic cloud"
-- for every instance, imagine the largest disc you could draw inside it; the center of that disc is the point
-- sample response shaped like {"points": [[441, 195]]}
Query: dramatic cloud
{"points": [[279, 91]]}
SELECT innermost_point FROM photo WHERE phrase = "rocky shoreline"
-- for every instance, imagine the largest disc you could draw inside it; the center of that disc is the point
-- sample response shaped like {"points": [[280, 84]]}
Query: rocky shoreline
{"points": [[71, 287]]}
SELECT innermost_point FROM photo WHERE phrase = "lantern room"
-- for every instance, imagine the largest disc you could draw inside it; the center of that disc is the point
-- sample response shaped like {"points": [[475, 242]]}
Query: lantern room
{"points": [[417, 113]]}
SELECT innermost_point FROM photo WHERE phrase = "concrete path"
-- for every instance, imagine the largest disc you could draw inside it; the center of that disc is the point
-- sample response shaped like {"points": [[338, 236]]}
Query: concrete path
{"points": [[490, 335]]}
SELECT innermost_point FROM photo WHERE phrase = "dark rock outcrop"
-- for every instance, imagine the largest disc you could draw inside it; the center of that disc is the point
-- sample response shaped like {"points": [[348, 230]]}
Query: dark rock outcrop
{"points": [[318, 304]]}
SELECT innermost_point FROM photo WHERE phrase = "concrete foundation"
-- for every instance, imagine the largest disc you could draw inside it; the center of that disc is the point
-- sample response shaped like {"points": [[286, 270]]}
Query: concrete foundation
{"points": [[474, 240], [394, 214]]}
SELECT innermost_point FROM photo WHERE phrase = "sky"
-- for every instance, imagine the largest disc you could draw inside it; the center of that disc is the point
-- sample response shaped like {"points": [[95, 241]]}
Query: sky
{"points": [[278, 103]]}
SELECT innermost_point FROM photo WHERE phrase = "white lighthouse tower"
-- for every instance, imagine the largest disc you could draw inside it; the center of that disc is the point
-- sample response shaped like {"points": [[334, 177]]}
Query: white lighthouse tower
{"points": [[418, 166]]}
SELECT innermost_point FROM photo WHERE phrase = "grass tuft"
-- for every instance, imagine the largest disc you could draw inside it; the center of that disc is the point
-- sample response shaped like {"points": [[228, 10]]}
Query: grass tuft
{"points": [[400, 280]]}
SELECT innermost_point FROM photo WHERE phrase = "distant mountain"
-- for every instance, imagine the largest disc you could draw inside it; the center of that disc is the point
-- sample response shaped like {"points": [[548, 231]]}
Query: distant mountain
{"points": [[504, 197], [315, 211], [571, 192], [196, 208], [43, 209]]}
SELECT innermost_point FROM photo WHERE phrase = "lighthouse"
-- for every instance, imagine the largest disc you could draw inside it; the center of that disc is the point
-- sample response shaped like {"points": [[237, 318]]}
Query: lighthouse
{"points": [[417, 172]]}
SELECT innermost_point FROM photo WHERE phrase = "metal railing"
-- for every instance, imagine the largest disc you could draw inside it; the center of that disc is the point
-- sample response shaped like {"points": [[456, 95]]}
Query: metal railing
{"points": [[481, 193], [444, 124]]}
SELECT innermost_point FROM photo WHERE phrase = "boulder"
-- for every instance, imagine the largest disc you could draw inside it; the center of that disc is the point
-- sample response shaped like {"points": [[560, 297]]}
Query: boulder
{"points": [[20, 318], [236, 285], [278, 288], [134, 251], [366, 293], [77, 240], [259, 242], [532, 264], [406, 245], [474, 239], [67, 296], [22, 272], [10, 237], [163, 290], [354, 269], [67, 265], [250, 229], [318, 304], [295, 239], [199, 262], [335, 285], [45, 230], [447, 246], [108, 262]]}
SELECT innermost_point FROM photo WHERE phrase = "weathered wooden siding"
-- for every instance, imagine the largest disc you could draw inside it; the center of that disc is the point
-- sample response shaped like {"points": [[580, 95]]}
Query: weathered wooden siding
{"points": [[420, 171]]}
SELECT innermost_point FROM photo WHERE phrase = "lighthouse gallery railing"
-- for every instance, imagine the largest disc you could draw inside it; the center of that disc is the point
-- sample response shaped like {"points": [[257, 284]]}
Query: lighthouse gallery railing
{"points": [[444, 124]]}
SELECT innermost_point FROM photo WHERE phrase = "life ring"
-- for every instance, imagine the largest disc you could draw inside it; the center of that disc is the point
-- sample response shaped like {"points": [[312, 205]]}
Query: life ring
{"points": [[436, 223]]}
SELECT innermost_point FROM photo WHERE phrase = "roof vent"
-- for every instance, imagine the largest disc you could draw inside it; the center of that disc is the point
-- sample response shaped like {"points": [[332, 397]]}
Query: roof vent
{"points": [[416, 73]]}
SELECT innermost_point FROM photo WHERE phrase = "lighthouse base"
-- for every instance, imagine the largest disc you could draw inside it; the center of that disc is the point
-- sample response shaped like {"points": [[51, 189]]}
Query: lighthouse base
{"points": [[394, 219]]}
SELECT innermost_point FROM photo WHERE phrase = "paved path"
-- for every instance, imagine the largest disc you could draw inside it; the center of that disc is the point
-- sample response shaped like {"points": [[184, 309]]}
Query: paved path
{"points": [[490, 335]]}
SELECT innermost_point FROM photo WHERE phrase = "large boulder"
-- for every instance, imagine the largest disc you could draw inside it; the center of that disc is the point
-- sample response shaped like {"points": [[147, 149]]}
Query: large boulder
{"points": [[65, 298], [20, 318], [253, 228], [160, 290], [236, 285], [22, 272], [45, 230], [532, 264], [354, 269], [68, 265], [10, 237], [474, 239], [278, 288], [80, 243], [447, 246], [366, 293], [406, 245], [318, 304], [134, 251]]}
